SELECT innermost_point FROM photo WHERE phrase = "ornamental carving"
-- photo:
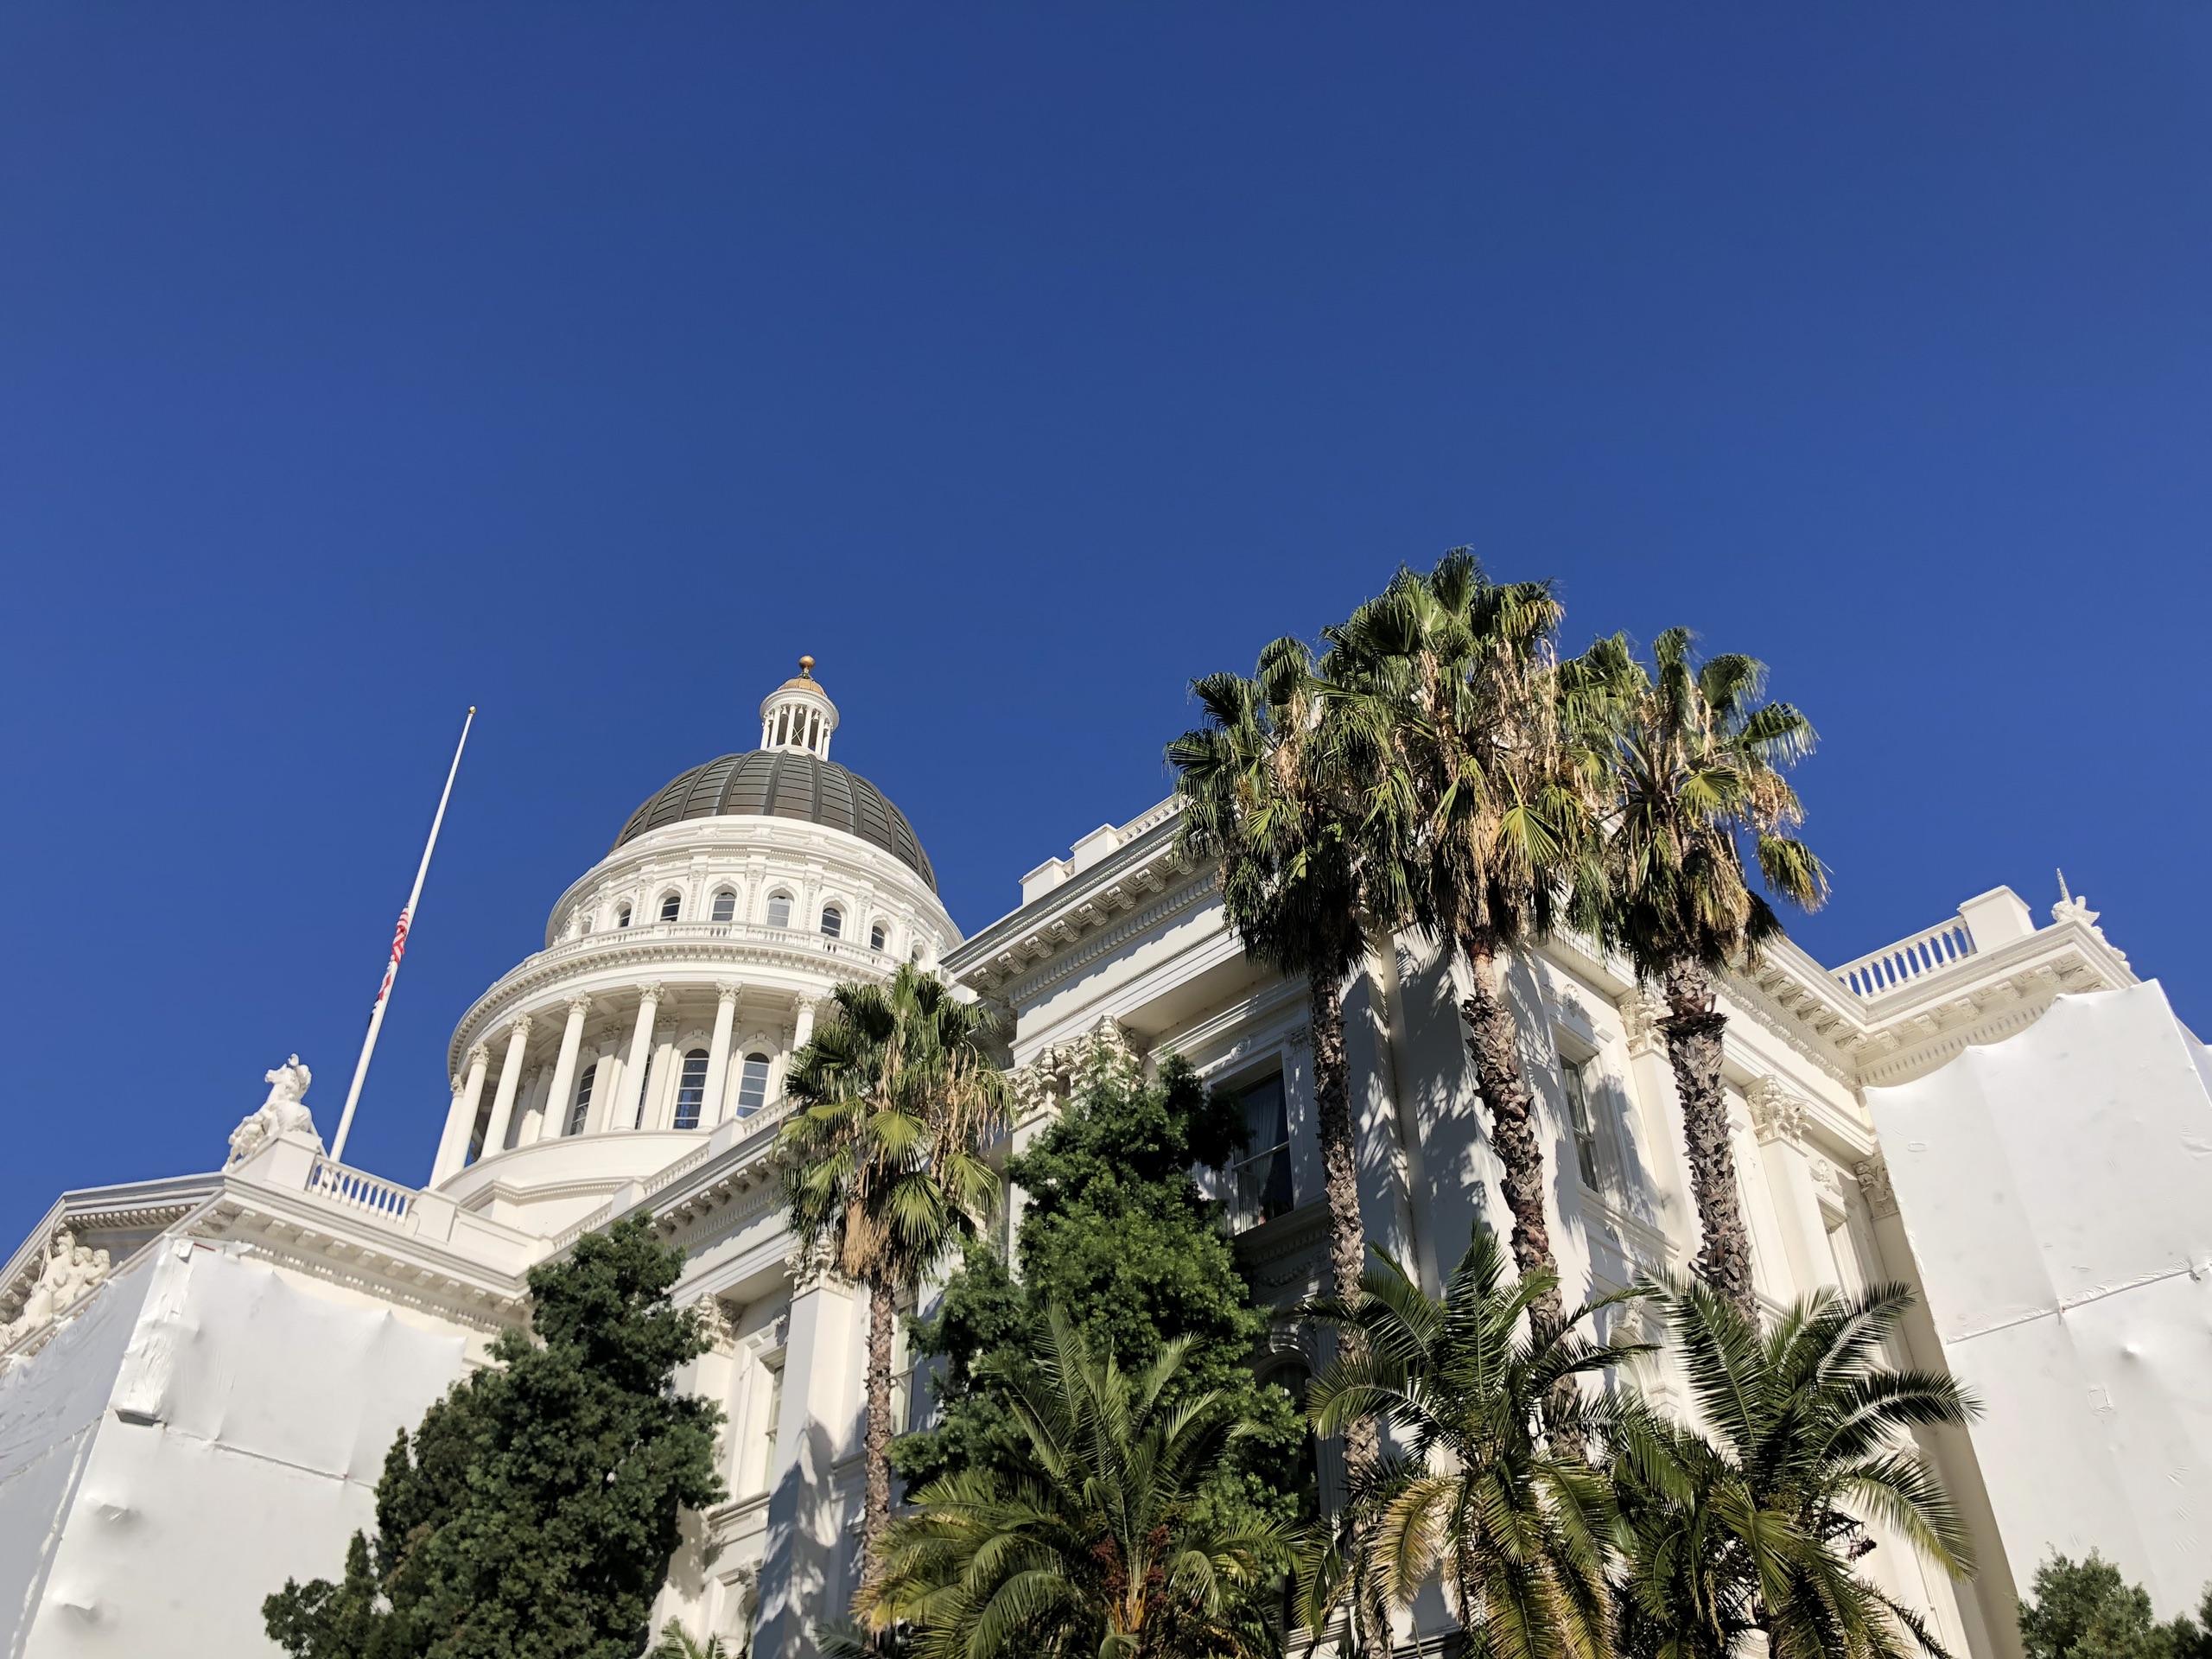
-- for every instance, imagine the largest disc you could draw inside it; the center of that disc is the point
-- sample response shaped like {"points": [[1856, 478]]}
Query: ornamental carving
{"points": [[717, 1323], [1874, 1181], [1046, 1082], [1776, 1114], [71, 1273], [1642, 1012]]}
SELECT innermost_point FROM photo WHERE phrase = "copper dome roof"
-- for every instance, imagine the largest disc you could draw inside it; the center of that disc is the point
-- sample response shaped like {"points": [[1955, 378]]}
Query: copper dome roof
{"points": [[785, 783]]}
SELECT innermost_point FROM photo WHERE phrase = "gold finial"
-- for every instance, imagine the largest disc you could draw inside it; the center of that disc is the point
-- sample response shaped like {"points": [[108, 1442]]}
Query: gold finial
{"points": [[806, 667]]}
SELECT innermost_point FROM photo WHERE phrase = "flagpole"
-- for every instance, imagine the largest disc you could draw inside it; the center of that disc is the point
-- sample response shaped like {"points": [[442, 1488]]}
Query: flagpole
{"points": [[398, 950]]}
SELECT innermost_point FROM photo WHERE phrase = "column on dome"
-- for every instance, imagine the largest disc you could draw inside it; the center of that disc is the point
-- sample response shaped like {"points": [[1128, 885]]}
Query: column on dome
{"points": [[558, 1098], [633, 1069], [718, 1053], [461, 1122], [503, 1102]]}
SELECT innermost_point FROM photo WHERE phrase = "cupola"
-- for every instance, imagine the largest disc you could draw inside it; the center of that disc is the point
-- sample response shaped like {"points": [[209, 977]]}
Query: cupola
{"points": [[799, 715]]}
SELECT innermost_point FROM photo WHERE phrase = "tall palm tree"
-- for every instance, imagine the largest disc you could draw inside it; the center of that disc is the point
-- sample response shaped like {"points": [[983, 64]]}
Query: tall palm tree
{"points": [[1485, 1493], [1263, 794], [1443, 689], [1755, 1523], [1101, 1546], [1696, 764], [898, 1101]]}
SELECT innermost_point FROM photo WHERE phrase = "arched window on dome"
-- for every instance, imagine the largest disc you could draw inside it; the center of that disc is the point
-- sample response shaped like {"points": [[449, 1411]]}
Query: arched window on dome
{"points": [[578, 1112], [752, 1084], [876, 937], [672, 907], [725, 906], [833, 922], [622, 916], [691, 1090], [780, 910]]}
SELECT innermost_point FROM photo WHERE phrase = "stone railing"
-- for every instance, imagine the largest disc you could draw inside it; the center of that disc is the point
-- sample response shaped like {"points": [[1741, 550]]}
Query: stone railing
{"points": [[356, 1189], [1882, 972], [730, 1132]]}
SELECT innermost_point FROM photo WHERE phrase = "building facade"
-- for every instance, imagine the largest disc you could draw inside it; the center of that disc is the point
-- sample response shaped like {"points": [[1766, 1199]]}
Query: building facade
{"points": [[636, 1062]]}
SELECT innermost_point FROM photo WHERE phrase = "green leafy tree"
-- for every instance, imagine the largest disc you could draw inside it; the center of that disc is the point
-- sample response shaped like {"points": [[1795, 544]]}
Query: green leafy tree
{"points": [[532, 1514], [1264, 794], [2086, 1611], [1483, 1492], [1100, 1544], [1443, 690], [1696, 769], [1757, 1522], [898, 1102], [1116, 1230]]}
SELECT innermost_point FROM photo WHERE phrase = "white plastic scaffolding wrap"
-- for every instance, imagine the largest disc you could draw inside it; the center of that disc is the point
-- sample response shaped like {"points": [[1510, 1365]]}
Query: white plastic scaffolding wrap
{"points": [[2056, 1188], [205, 1429]]}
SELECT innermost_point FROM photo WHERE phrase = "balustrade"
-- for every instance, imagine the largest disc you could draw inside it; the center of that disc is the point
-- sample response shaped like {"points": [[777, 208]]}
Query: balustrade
{"points": [[1884, 970]]}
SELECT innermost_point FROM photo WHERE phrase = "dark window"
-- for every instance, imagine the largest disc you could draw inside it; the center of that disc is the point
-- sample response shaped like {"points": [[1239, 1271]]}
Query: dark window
{"points": [[752, 1084], [582, 1111], [833, 922], [1260, 1183], [691, 1090], [622, 916], [644, 1093], [1577, 1082], [671, 907], [725, 906]]}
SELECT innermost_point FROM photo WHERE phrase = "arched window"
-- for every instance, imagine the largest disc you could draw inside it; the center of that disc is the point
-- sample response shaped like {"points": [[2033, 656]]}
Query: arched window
{"points": [[622, 916], [582, 1111], [691, 1090], [672, 907], [752, 1084], [833, 922], [780, 910], [875, 937], [725, 906], [644, 1093]]}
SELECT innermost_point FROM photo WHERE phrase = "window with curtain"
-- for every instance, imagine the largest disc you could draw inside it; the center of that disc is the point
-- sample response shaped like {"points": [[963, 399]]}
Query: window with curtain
{"points": [[1260, 1184], [1576, 1078], [780, 910], [833, 922], [752, 1084], [581, 1110], [691, 1090], [725, 906]]}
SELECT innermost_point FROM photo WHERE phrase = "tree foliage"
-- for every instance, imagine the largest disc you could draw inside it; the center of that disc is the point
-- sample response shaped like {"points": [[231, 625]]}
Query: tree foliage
{"points": [[1117, 1232], [2085, 1609], [532, 1514]]}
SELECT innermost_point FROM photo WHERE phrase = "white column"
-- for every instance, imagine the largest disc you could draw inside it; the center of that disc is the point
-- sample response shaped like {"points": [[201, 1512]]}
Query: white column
{"points": [[803, 1028], [452, 1146], [503, 1102], [641, 1049], [1779, 1118], [564, 1070], [799, 1566], [718, 1054]]}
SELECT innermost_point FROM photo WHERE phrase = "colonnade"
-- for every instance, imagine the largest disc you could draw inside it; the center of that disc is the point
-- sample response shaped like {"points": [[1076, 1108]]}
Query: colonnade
{"points": [[530, 1104]]}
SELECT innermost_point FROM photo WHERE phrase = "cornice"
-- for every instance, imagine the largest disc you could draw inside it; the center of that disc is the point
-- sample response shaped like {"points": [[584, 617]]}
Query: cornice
{"points": [[1147, 863]]}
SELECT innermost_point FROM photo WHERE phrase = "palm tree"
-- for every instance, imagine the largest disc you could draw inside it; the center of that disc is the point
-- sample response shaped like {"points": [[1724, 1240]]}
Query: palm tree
{"points": [[1262, 793], [1485, 1493], [1695, 761], [1755, 1523], [1442, 688], [1101, 1546], [898, 1102]]}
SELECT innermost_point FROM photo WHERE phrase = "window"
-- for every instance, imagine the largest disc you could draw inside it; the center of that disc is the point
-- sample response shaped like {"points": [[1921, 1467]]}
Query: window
{"points": [[582, 1111], [752, 1084], [875, 937], [1260, 1186], [780, 910], [622, 916], [725, 906], [672, 907], [772, 1407], [644, 1093], [691, 1090], [902, 1376], [833, 922], [1575, 1077], [482, 1127]]}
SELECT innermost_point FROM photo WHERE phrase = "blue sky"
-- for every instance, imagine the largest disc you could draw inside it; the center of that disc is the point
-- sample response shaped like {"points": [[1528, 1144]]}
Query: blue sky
{"points": [[1022, 363]]}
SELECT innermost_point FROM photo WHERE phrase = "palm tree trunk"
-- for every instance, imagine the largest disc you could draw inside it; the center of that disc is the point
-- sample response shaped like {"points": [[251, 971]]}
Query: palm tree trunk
{"points": [[883, 1316], [1347, 1233], [1694, 1028], [1494, 1043]]}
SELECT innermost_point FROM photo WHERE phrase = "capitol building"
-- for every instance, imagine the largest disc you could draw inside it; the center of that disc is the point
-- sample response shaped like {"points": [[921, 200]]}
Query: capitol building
{"points": [[200, 1376]]}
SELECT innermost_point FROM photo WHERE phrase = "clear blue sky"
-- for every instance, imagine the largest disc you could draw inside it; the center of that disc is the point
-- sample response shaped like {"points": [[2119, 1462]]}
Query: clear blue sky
{"points": [[1021, 363]]}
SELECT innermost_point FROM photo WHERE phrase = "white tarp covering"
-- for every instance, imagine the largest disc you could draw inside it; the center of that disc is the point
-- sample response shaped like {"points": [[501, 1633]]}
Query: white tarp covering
{"points": [[2056, 1188], [228, 1427]]}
